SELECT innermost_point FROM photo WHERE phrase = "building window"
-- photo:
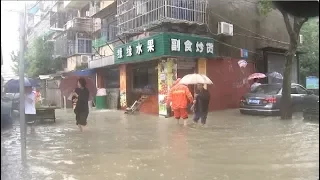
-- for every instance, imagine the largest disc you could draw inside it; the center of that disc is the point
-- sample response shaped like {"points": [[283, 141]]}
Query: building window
{"points": [[109, 28], [145, 78], [112, 78], [84, 46]]}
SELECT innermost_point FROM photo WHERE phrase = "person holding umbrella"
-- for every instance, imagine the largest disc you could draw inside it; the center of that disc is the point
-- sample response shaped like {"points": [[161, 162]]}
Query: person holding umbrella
{"points": [[201, 104], [255, 84], [82, 89], [256, 79], [82, 108], [29, 104]]}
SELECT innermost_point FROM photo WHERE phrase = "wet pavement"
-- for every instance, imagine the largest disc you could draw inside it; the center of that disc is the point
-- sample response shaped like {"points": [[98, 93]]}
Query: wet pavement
{"points": [[142, 147]]}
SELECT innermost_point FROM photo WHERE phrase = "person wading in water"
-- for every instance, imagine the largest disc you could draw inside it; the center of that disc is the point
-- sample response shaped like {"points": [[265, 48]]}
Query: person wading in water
{"points": [[179, 96], [81, 97], [201, 104]]}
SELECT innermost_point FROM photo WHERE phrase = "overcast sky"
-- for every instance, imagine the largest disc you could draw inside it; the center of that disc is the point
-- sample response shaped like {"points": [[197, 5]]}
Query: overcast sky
{"points": [[9, 33]]}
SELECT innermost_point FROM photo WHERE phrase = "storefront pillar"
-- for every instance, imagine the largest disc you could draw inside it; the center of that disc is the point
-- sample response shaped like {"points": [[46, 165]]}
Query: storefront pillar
{"points": [[123, 86], [99, 78], [167, 74], [202, 67]]}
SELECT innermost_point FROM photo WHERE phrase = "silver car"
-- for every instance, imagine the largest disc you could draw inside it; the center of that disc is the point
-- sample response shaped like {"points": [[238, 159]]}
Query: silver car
{"points": [[265, 99]]}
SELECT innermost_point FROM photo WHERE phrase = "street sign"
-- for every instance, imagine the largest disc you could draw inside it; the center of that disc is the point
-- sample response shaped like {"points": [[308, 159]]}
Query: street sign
{"points": [[312, 82]]}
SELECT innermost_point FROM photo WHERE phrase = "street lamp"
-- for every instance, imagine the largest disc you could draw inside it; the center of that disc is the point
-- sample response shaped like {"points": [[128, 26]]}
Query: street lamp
{"points": [[21, 87]]}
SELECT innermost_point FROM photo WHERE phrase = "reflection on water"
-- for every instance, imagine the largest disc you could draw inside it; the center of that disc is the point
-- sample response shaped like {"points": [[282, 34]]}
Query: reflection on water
{"points": [[133, 147]]}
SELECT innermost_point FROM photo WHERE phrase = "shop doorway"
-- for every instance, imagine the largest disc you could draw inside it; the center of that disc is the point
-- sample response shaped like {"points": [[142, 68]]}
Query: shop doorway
{"points": [[187, 66], [112, 85]]}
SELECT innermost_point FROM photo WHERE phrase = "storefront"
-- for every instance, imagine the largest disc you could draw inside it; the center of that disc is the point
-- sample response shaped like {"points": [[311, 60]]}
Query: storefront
{"points": [[109, 79], [149, 66]]}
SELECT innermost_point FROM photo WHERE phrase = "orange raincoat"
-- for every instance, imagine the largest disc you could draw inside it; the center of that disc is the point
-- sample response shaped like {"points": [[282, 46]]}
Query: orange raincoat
{"points": [[179, 95]]}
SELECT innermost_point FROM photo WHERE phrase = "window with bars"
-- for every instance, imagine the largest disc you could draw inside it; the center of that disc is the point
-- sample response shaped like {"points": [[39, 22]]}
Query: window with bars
{"points": [[109, 28], [84, 46]]}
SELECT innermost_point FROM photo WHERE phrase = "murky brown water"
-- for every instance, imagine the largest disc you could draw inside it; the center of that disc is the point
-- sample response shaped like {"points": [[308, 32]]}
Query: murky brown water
{"points": [[142, 147]]}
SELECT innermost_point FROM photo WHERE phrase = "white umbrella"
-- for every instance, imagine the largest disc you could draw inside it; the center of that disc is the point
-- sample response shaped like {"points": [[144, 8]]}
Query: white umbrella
{"points": [[195, 79]]}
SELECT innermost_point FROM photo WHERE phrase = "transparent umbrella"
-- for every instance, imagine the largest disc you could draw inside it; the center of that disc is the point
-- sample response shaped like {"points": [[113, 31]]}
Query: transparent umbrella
{"points": [[195, 79], [275, 75]]}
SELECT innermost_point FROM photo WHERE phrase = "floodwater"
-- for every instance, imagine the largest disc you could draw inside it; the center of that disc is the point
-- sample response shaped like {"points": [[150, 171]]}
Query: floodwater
{"points": [[142, 147]]}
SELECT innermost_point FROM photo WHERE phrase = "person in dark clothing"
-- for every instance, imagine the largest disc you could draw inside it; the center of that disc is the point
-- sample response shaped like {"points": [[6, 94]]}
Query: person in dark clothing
{"points": [[75, 98], [82, 108], [201, 104]]}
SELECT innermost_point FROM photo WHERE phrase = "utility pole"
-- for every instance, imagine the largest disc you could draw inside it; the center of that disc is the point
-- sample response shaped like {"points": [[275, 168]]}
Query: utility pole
{"points": [[21, 88]]}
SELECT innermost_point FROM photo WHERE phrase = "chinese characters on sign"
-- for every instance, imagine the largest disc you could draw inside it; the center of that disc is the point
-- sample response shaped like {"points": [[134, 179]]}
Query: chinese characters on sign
{"points": [[165, 44], [188, 46], [138, 48]]}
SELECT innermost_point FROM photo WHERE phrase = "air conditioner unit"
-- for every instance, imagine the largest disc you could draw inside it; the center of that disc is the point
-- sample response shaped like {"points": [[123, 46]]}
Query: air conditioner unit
{"points": [[87, 13], [225, 29], [301, 39], [85, 59]]}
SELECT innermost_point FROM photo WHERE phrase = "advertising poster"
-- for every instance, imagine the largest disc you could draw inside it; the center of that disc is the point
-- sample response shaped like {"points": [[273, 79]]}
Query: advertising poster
{"points": [[167, 74], [123, 87]]}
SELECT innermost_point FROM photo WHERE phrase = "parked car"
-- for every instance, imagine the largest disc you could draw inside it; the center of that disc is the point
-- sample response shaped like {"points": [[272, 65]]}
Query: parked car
{"points": [[6, 111], [14, 98], [311, 111], [265, 99]]}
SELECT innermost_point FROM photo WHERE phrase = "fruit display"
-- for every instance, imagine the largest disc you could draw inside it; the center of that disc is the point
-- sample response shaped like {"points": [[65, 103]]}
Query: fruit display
{"points": [[163, 88]]}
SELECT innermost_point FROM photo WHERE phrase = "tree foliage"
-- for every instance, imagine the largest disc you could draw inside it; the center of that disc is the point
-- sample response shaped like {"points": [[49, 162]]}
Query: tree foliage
{"points": [[265, 7], [309, 61], [293, 25], [38, 59]]}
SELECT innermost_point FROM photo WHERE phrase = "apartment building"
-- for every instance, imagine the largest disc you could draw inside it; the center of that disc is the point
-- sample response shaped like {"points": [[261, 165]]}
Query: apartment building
{"points": [[69, 25], [156, 41]]}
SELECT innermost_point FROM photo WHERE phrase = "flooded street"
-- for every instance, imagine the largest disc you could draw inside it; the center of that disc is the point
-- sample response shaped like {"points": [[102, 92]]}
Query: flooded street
{"points": [[142, 147]]}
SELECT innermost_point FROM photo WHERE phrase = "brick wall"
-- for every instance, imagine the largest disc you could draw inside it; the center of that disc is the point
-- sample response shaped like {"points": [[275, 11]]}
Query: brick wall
{"points": [[230, 82], [150, 106]]}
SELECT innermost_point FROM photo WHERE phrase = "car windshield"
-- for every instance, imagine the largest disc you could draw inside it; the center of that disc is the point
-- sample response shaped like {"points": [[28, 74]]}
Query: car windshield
{"points": [[267, 89]]}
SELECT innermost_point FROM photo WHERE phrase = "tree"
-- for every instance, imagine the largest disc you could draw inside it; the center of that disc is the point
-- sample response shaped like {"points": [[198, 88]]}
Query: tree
{"points": [[15, 59], [38, 58], [293, 26]]}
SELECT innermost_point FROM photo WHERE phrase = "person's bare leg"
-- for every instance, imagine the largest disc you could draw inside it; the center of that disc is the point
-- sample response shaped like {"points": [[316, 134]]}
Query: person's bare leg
{"points": [[185, 122], [80, 127], [178, 121], [84, 128]]}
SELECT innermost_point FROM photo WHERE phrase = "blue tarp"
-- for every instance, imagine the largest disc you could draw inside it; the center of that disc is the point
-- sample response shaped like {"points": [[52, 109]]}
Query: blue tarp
{"points": [[85, 72]]}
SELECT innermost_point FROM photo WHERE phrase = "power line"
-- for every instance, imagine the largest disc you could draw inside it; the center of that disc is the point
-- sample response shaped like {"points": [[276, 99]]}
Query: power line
{"points": [[265, 37]]}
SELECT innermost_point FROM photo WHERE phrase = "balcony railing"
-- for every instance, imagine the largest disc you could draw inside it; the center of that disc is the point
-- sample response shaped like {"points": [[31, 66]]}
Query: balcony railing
{"points": [[80, 24], [136, 15], [66, 48], [75, 4], [101, 61], [94, 10]]}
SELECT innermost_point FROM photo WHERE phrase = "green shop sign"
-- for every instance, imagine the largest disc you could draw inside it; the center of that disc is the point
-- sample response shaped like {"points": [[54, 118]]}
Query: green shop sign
{"points": [[165, 44]]}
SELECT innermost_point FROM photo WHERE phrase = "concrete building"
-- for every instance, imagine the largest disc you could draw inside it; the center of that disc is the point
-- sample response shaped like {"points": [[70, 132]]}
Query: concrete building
{"points": [[143, 45], [69, 25]]}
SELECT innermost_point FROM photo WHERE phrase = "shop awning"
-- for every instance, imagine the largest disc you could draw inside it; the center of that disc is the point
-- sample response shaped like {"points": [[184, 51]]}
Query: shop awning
{"points": [[85, 72]]}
